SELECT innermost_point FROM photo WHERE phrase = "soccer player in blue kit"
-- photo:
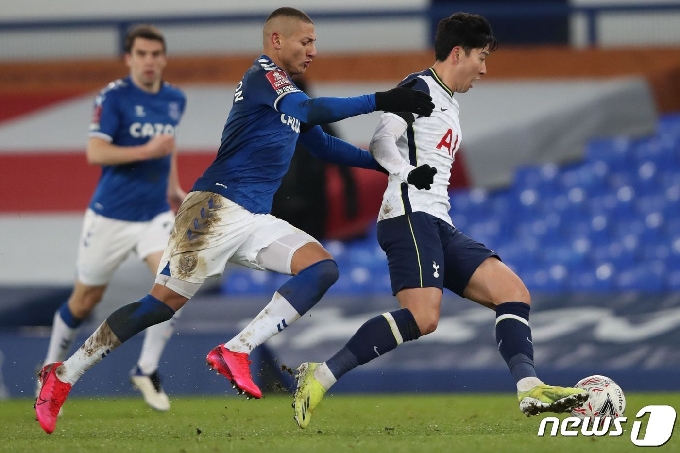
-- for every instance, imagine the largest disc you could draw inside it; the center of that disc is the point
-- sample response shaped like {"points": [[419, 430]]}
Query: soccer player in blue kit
{"points": [[225, 217], [132, 137], [425, 251]]}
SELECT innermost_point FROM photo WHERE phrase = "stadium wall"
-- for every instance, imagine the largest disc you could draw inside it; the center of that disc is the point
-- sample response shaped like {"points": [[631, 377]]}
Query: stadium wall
{"points": [[630, 338], [660, 66]]}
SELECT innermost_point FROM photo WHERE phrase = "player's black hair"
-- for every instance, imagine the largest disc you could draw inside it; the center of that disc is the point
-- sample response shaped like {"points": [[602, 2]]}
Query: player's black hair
{"points": [[145, 31], [287, 11], [469, 31]]}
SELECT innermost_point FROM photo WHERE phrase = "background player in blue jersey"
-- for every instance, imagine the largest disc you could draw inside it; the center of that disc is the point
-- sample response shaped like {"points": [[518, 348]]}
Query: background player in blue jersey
{"points": [[226, 216], [425, 252], [132, 137]]}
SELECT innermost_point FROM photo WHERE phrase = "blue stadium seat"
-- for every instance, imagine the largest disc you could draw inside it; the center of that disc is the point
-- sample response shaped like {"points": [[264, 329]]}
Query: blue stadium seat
{"points": [[659, 149], [541, 178], [673, 280], [519, 255], [614, 152], [620, 252], [596, 279], [610, 222], [566, 253], [243, 281], [648, 277], [552, 279], [353, 280]]}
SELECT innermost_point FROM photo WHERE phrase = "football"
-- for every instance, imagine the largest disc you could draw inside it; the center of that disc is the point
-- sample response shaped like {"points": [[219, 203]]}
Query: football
{"points": [[605, 398]]}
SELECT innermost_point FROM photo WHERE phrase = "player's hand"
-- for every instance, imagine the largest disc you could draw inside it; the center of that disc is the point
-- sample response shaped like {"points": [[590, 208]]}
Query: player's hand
{"points": [[175, 198], [160, 146], [422, 177], [404, 99]]}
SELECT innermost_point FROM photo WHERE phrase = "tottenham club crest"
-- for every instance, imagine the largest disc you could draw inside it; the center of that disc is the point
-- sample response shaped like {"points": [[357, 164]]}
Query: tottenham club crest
{"points": [[435, 266]]}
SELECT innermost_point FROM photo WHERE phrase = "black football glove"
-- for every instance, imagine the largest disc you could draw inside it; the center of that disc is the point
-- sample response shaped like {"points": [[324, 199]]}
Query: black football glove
{"points": [[422, 177], [404, 99]]}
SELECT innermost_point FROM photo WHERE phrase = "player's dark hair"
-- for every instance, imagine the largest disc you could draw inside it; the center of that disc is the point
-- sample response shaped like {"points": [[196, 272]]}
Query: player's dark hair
{"points": [[144, 31], [469, 31], [287, 11]]}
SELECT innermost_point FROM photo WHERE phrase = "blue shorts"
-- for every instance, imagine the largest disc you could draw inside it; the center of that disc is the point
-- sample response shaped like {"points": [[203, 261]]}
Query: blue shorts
{"points": [[424, 251]]}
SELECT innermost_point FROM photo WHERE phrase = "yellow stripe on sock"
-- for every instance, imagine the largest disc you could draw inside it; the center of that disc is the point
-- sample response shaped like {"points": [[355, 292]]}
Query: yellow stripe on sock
{"points": [[518, 318], [395, 329]]}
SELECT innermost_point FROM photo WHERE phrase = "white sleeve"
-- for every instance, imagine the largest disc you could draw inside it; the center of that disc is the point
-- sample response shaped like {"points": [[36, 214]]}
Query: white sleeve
{"points": [[384, 145]]}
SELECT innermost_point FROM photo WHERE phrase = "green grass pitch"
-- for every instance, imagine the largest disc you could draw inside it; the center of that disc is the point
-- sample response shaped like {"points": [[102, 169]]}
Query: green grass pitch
{"points": [[342, 423]]}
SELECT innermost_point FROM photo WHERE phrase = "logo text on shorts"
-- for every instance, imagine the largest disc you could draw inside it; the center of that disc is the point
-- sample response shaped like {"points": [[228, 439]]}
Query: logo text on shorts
{"points": [[659, 428]]}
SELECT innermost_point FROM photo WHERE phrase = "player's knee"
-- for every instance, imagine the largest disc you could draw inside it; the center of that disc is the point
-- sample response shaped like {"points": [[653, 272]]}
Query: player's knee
{"points": [[520, 293], [427, 321], [428, 326], [328, 272]]}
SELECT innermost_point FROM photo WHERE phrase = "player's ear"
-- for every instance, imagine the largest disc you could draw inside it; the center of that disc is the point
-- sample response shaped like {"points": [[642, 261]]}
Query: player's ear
{"points": [[455, 54], [276, 40]]}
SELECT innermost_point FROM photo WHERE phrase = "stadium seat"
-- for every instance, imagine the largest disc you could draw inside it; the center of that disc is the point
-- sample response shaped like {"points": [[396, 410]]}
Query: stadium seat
{"points": [[648, 277], [596, 279], [614, 152], [247, 281], [608, 223]]}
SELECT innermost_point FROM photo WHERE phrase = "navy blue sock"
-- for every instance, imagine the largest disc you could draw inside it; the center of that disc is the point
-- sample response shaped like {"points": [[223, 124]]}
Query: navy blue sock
{"points": [[68, 317], [513, 335], [307, 288], [132, 318], [374, 338]]}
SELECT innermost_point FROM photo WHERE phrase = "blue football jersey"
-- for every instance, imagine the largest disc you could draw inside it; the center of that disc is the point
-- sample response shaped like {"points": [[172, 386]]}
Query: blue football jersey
{"points": [[125, 115], [258, 141]]}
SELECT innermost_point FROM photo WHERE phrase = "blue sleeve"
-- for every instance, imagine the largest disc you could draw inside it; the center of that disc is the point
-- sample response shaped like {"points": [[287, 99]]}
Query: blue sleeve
{"points": [[325, 109], [106, 118], [332, 149]]}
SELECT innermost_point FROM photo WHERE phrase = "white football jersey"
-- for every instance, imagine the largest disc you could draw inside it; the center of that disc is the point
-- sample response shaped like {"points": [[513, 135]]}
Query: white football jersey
{"points": [[402, 142]]}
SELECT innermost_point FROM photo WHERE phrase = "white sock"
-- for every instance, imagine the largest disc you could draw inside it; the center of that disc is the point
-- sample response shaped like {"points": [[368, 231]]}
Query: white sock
{"points": [[324, 375], [61, 339], [528, 383], [95, 348], [277, 315], [155, 339]]}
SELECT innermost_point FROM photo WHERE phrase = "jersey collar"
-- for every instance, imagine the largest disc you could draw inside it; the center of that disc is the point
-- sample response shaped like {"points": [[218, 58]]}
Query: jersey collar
{"points": [[439, 81]]}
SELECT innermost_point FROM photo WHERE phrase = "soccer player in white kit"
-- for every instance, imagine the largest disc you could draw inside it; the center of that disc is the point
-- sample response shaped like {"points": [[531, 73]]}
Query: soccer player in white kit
{"points": [[132, 137], [425, 251], [226, 216]]}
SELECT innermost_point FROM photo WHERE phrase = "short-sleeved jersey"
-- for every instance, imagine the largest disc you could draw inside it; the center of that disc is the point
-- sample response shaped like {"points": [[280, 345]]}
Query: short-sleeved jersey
{"points": [[431, 140], [258, 141], [125, 115]]}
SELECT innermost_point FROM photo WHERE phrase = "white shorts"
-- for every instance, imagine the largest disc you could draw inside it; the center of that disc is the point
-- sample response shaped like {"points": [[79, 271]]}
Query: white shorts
{"points": [[105, 243], [211, 230]]}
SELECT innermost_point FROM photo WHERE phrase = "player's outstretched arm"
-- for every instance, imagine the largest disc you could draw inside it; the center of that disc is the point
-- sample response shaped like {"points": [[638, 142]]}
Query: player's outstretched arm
{"points": [[334, 150], [330, 109]]}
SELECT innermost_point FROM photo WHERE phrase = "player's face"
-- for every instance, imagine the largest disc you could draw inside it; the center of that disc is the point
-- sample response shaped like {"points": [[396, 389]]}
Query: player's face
{"points": [[146, 61], [298, 49], [471, 67]]}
